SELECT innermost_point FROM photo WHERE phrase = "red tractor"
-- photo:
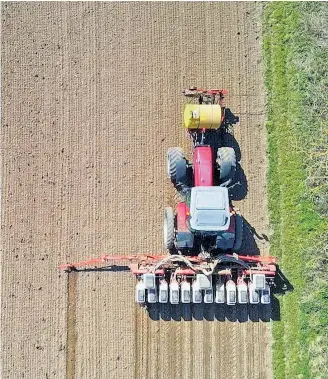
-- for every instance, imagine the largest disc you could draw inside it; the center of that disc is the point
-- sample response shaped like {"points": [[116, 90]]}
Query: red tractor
{"points": [[205, 220]]}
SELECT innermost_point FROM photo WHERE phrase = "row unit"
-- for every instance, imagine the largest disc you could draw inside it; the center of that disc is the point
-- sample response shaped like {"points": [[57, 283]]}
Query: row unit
{"points": [[254, 291]]}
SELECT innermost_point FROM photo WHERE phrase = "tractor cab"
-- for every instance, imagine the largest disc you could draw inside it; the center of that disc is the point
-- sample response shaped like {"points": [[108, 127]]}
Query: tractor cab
{"points": [[209, 209], [210, 217]]}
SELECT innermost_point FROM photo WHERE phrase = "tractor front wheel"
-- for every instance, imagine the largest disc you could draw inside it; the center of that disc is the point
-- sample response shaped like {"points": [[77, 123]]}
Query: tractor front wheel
{"points": [[174, 154], [168, 228], [226, 162]]}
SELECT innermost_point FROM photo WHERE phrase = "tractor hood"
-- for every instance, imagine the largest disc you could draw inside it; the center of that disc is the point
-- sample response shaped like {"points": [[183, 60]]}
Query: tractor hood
{"points": [[209, 209]]}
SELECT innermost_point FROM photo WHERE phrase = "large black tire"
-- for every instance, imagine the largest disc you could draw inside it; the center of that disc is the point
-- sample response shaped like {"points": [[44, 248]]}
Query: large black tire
{"points": [[174, 154], [168, 228], [238, 232], [226, 163]]}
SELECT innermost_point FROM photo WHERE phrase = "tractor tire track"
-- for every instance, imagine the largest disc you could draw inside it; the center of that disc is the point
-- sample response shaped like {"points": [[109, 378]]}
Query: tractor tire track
{"points": [[153, 346], [165, 343], [137, 339], [142, 343], [235, 346], [71, 325]]}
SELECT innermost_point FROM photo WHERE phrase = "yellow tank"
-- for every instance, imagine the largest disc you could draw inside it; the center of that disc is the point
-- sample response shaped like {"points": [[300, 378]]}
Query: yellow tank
{"points": [[199, 116]]}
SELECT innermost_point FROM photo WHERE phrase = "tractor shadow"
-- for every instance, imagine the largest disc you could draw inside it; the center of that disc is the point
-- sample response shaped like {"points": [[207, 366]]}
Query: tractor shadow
{"points": [[250, 236], [239, 188]]}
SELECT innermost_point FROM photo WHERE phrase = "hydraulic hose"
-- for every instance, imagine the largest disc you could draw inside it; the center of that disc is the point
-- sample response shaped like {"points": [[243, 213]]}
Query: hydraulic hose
{"points": [[181, 258]]}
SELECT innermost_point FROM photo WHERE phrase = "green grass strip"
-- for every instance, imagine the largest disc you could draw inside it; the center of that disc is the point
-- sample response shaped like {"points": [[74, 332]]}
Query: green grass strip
{"points": [[295, 221]]}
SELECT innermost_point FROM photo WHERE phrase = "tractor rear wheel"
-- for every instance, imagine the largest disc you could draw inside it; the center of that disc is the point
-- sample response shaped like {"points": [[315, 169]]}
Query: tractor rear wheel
{"points": [[226, 162], [174, 154], [168, 228], [238, 232]]}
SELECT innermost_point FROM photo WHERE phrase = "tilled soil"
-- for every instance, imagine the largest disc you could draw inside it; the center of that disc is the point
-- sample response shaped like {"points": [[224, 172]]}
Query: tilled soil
{"points": [[91, 100]]}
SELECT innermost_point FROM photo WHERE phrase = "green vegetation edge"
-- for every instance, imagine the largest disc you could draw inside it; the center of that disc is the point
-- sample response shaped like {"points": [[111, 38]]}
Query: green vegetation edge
{"points": [[294, 52]]}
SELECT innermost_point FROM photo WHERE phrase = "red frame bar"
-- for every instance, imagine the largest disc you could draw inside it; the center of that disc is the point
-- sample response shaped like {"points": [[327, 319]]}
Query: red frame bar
{"points": [[151, 259]]}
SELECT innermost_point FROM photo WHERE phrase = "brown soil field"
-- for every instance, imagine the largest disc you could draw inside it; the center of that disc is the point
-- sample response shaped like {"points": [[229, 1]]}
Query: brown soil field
{"points": [[91, 100]]}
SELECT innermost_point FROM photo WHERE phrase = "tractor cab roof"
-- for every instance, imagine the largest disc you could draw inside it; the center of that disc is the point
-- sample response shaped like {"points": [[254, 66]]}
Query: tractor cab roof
{"points": [[209, 209]]}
